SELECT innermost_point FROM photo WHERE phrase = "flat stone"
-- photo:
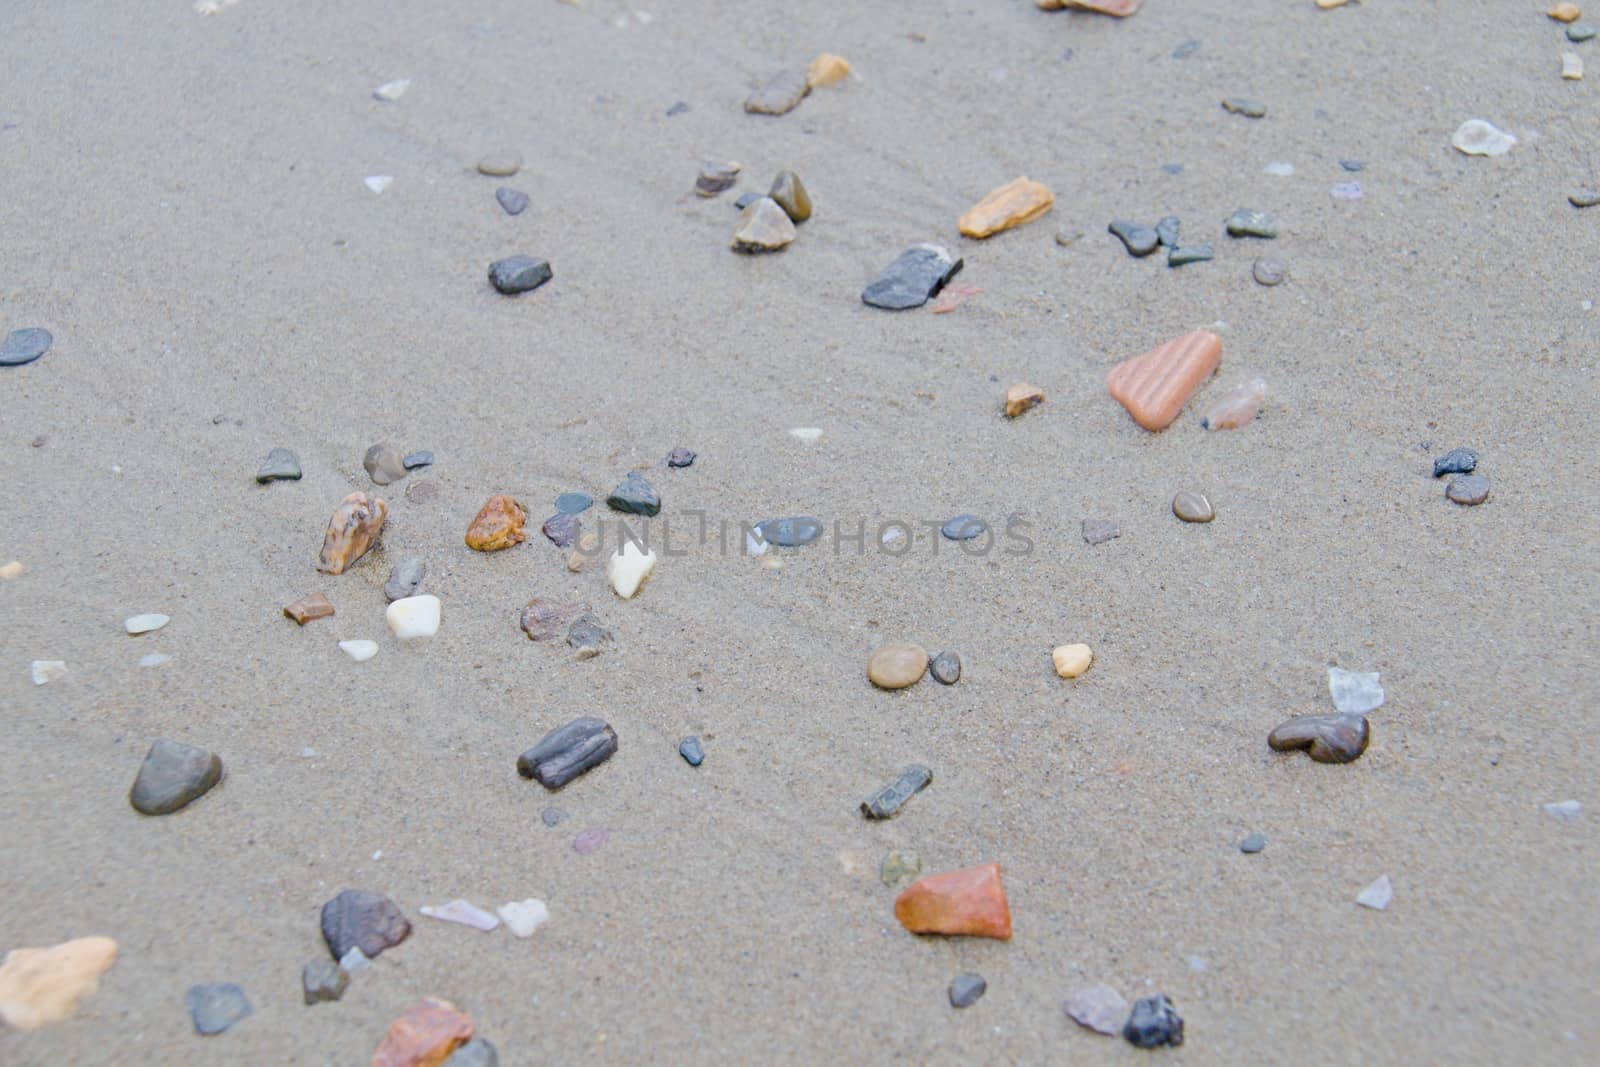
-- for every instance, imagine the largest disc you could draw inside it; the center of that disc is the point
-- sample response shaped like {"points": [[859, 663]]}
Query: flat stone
{"points": [[1066, 237], [1247, 222], [1070, 661], [587, 637], [634, 496], [281, 465], [475, 1053], [827, 69], [1242, 105], [422, 492], [1326, 738], [1019, 201], [1564, 12], [1354, 166], [897, 665], [323, 980], [1099, 531], [574, 503], [1183, 256], [389, 92], [545, 619], [1138, 239], [429, 1031], [628, 568], [216, 1006], [716, 177], [360, 651], [1478, 137], [963, 528], [1253, 844], [412, 460], [1237, 407], [1154, 387], [1346, 191], [562, 529], [1154, 1022], [780, 95], [791, 532], [790, 194], [691, 751], [359, 918], [23, 346], [523, 917], [146, 623], [1377, 896], [763, 227], [946, 668], [497, 525], [1584, 197], [568, 751], [1192, 507], [353, 529], [1281, 169], [680, 457], [968, 902], [1579, 32], [1099, 1008], [172, 775], [414, 616], [519, 274], [500, 164], [550, 817], [965, 989], [1167, 231], [462, 913], [1563, 810], [1119, 8], [887, 801], [405, 579], [378, 182], [1353, 692], [1468, 489], [1269, 271], [45, 985], [1022, 397], [898, 866], [384, 463], [913, 279]]}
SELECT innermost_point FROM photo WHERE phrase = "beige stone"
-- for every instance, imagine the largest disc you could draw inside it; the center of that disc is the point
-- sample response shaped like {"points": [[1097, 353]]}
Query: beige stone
{"points": [[308, 608], [1014, 203], [763, 227], [1120, 8], [827, 69], [354, 529], [1571, 66], [897, 665], [1072, 660], [14, 569], [1564, 12], [45, 985], [1021, 397]]}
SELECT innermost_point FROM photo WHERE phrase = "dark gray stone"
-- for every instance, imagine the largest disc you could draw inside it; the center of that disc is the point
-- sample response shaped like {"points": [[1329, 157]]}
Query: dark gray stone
{"points": [[1186, 49], [744, 200], [216, 1006], [172, 775], [1167, 231], [1138, 239], [323, 980], [405, 579], [23, 346], [1173, 169], [412, 460], [913, 279], [1253, 844], [965, 989], [634, 496], [1179, 257], [1154, 1022], [789, 532], [514, 201], [360, 918], [586, 636], [1241, 105], [1455, 461], [689, 748], [519, 274], [1099, 531], [1354, 166], [553, 816], [281, 465], [1579, 32], [1269, 271], [963, 528], [475, 1053], [946, 668], [680, 457], [1248, 223], [562, 529], [574, 503], [568, 751], [1468, 489], [888, 800]]}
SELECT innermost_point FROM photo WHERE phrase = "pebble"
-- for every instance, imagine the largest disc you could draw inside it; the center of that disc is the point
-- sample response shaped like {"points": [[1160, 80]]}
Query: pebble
{"points": [[1478, 137], [1253, 844], [461, 912], [1346, 191], [384, 463], [154, 659], [827, 69], [716, 177], [1099, 1008], [1353, 692], [680, 457], [11, 570], [897, 665], [1564, 12], [1565, 810], [412, 460], [1354, 166], [562, 529], [422, 492], [790, 532], [1138, 239], [586, 636], [405, 579], [629, 568], [744, 200], [887, 801], [898, 866], [1269, 271], [497, 525], [1022, 397], [523, 917], [281, 465], [360, 651], [970, 902], [1237, 407], [1579, 32], [353, 961], [551, 817], [378, 182], [913, 279], [1455, 461], [1377, 896], [501, 164], [429, 1031], [1154, 387], [513, 201], [391, 91], [143, 624], [1181, 257], [1584, 197], [1153, 1022], [1099, 531], [1571, 66], [965, 989], [806, 435], [1071, 660], [763, 227], [48, 670], [414, 616], [1250, 223], [574, 503], [1326, 738], [963, 528], [45, 985], [323, 980], [634, 496], [519, 274], [1019, 201], [780, 95], [1468, 489], [475, 1053], [946, 668], [1067, 237], [23, 346], [1240, 105], [216, 1006], [1192, 507], [1186, 49], [590, 841], [691, 751], [543, 619], [568, 751], [173, 775], [360, 918], [1279, 170], [352, 530], [309, 608], [1167, 231], [791, 195]]}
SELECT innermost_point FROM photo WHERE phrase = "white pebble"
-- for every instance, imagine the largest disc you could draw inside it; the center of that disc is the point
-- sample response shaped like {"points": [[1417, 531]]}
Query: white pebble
{"points": [[629, 568], [460, 911], [1354, 693], [1377, 895], [354, 960], [1282, 170], [379, 182], [755, 544], [1475, 137], [143, 624], [153, 659], [1566, 810], [360, 650], [414, 616], [308, 753], [392, 90], [1571, 66], [523, 917], [808, 435], [48, 670]]}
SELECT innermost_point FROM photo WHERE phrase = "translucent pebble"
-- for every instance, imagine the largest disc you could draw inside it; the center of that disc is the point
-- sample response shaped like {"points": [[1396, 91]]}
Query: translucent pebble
{"points": [[460, 911], [46, 670], [1475, 137], [523, 917], [1378, 895], [1354, 693], [379, 182], [354, 960], [809, 435], [1237, 407], [1566, 810], [1281, 170]]}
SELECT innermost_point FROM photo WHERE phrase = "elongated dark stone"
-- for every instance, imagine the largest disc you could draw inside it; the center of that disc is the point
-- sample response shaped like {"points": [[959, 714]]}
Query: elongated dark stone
{"points": [[888, 800], [568, 751], [172, 775]]}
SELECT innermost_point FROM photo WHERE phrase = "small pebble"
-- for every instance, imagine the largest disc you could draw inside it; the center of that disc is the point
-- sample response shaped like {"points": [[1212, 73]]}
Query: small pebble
{"points": [[501, 164], [1015, 203], [309, 608], [1172, 168], [568, 751], [897, 665], [1584, 197], [23, 346], [965, 989], [744, 200], [391, 91], [1571, 66], [427, 1032], [215, 1007], [791, 195], [779, 96], [677, 109], [463, 913], [378, 182], [352, 531], [898, 867], [1476, 137], [791, 532], [523, 917], [353, 961], [1237, 407], [412, 460], [1279, 170], [1579, 32], [1153, 1022], [551, 817], [562, 529], [887, 801], [364, 920], [1354, 166], [1139, 240], [519, 274], [384, 463], [1455, 461], [1192, 507], [1253, 844], [1179, 257], [628, 569], [11, 570], [1099, 531], [634, 496], [172, 776], [1099, 1008], [545, 618], [591, 840], [48, 670], [360, 651], [280, 465], [1022, 397], [691, 751], [680, 457], [1566, 810], [963, 528], [946, 668], [154, 659], [1377, 896], [1468, 489], [1326, 738], [586, 636], [1566, 11], [1068, 237], [716, 177], [574, 503], [1167, 231], [1071, 660], [1186, 49], [422, 492], [497, 525], [1346, 191], [1354, 692], [405, 579], [1249, 223], [323, 980], [827, 69], [144, 624], [763, 227], [806, 435], [475, 1053], [1269, 271], [413, 617], [1239, 105]]}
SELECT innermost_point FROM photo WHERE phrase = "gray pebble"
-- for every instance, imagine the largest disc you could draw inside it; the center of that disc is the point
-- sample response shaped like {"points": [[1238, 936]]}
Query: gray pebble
{"points": [[514, 201], [946, 668], [412, 460], [1248, 223], [1269, 270], [680, 457], [1099, 531], [1579, 32], [360, 918], [1468, 489], [963, 528], [1240, 105], [172, 775], [1455, 461], [1253, 844], [1354, 166], [1179, 257], [568, 751], [1192, 507], [405, 579], [215, 1007], [553, 816], [475, 1053], [780, 95], [1186, 49], [689, 748], [965, 989], [586, 636], [888, 800], [1584, 197], [24, 346], [1137, 239], [1173, 169], [280, 465], [635, 496], [744, 200], [519, 274], [323, 980], [574, 503], [1167, 231], [913, 279], [384, 463], [790, 532]]}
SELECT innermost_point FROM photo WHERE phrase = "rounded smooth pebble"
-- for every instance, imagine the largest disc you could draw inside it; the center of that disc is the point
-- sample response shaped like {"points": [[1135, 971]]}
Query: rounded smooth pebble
{"points": [[946, 668], [1269, 271], [359, 650], [1253, 844], [1192, 507], [963, 528], [1468, 489], [574, 503], [1072, 660], [414, 616], [24, 346], [143, 624], [500, 164], [897, 665], [965, 989]]}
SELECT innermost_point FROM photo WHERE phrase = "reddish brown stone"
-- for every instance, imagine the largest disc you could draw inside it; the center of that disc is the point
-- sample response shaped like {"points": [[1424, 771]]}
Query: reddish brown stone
{"points": [[497, 525], [545, 619], [1155, 386], [424, 1036], [315, 606], [970, 901], [1021, 397], [353, 529]]}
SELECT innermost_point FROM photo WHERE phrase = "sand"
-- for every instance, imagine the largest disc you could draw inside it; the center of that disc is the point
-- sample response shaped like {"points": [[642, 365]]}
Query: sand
{"points": [[185, 210]]}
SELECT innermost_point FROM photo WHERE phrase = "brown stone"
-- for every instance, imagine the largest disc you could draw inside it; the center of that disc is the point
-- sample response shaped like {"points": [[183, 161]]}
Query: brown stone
{"points": [[897, 665], [1014, 203], [1021, 397], [1564, 12], [970, 901], [428, 1032], [353, 529], [315, 606], [1326, 738], [545, 619], [497, 525], [791, 195], [827, 69], [1155, 386], [1120, 8], [763, 227], [779, 96], [44, 985]]}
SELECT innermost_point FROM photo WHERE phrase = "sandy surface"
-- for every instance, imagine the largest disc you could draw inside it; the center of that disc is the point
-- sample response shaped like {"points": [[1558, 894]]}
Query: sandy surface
{"points": [[185, 210]]}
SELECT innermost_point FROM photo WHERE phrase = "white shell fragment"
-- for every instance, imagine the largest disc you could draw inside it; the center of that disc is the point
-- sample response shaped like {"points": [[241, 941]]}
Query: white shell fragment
{"points": [[360, 650], [1279, 170], [1377, 895], [806, 435], [379, 182], [1566, 810], [1571, 66], [391, 91], [143, 624], [629, 568], [1354, 693], [414, 616], [460, 911], [48, 670], [154, 659], [523, 917], [1475, 137]]}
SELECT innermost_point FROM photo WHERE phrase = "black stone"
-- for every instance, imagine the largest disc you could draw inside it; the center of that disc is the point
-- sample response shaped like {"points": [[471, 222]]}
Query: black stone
{"points": [[1455, 461], [216, 1006], [689, 748], [965, 989], [634, 496], [963, 528], [519, 274], [562, 529], [790, 532], [553, 816], [574, 503], [280, 465], [359, 918], [680, 457], [946, 668], [568, 751], [1253, 844], [515, 201], [913, 279], [24, 346], [172, 775], [475, 1053], [1186, 49], [1137, 239], [1154, 1022], [1167, 231], [888, 800], [412, 460], [1187, 254], [323, 980]]}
